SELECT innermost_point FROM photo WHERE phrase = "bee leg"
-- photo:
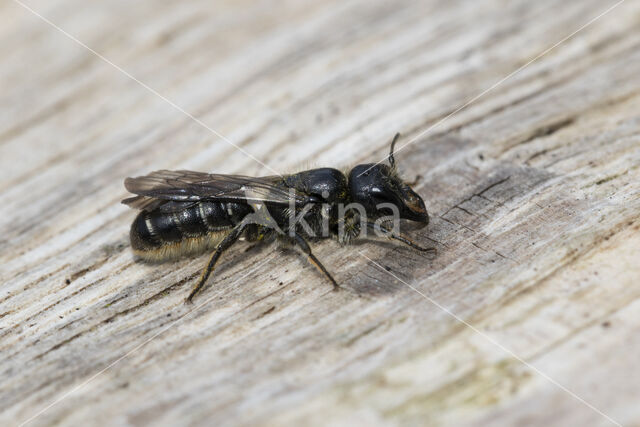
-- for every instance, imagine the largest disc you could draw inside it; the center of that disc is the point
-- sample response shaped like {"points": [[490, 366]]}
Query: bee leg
{"points": [[411, 243], [299, 240], [225, 244], [399, 237]]}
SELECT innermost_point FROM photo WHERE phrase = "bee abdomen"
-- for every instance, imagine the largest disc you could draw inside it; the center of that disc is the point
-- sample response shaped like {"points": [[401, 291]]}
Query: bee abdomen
{"points": [[158, 235], [214, 215]]}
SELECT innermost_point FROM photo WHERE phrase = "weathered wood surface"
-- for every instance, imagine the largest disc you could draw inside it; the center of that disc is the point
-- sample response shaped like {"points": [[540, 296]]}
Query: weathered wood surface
{"points": [[533, 191]]}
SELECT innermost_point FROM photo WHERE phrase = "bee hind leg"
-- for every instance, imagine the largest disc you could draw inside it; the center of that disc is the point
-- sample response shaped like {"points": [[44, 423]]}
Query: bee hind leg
{"points": [[299, 240], [225, 244]]}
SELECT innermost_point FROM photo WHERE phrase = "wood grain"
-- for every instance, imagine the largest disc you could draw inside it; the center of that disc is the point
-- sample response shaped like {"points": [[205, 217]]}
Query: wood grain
{"points": [[533, 190]]}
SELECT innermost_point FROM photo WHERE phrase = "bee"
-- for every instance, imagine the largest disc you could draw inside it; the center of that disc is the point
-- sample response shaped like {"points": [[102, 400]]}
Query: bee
{"points": [[188, 213]]}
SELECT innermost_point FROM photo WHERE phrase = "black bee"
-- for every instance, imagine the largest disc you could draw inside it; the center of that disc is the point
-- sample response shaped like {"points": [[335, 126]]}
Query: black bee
{"points": [[186, 213]]}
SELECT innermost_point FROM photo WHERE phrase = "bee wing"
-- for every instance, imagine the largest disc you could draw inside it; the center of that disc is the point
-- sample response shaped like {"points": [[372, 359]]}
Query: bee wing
{"points": [[145, 203], [166, 188]]}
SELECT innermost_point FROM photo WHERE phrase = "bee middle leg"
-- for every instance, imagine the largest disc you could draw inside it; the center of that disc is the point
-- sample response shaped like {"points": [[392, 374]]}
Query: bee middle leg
{"points": [[302, 243], [399, 237], [225, 244]]}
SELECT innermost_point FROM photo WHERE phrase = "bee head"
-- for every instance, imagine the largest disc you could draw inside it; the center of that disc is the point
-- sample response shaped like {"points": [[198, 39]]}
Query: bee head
{"points": [[372, 185]]}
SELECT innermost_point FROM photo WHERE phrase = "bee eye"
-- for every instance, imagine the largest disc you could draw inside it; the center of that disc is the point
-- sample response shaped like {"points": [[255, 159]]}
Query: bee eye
{"points": [[384, 198]]}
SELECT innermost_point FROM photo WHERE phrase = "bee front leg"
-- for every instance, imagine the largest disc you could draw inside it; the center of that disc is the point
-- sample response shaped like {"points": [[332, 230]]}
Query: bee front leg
{"points": [[225, 244], [399, 237], [299, 240]]}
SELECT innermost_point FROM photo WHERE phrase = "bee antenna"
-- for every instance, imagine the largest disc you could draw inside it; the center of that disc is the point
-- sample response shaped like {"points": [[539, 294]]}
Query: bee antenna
{"points": [[392, 161]]}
